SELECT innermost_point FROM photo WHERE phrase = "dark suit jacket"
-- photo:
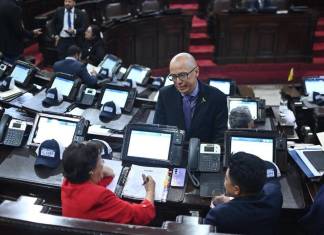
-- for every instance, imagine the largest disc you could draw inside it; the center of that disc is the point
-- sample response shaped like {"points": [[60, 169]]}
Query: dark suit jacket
{"points": [[209, 120], [75, 68], [93, 52], [80, 21], [257, 214], [313, 221], [12, 33]]}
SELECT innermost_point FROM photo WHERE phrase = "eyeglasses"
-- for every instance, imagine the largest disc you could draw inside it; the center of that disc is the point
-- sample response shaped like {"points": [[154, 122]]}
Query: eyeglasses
{"points": [[182, 76]]}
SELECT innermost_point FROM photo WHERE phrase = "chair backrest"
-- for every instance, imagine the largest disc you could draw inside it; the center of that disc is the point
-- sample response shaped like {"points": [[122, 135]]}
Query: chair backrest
{"points": [[220, 5], [150, 5], [113, 9]]}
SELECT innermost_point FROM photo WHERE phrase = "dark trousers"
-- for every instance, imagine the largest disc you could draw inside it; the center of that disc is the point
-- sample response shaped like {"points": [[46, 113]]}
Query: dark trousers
{"points": [[63, 46]]}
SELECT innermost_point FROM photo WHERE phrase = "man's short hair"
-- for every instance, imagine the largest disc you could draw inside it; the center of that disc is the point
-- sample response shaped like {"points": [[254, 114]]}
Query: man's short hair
{"points": [[73, 50], [240, 117], [247, 171], [78, 160]]}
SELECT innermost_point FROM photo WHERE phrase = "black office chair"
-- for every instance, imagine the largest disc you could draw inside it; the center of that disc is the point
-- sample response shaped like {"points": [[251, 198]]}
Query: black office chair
{"points": [[113, 10]]}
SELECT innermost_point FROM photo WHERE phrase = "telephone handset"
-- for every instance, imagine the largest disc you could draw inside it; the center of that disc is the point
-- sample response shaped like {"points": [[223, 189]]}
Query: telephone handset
{"points": [[81, 130], [12, 131], [261, 111], [86, 96], [3, 69]]}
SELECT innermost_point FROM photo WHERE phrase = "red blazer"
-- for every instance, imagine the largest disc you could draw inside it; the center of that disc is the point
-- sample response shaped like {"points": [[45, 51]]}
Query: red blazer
{"points": [[90, 201]]}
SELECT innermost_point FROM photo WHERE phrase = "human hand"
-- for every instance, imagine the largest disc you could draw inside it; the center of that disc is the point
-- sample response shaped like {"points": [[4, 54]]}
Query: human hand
{"points": [[37, 32], [219, 200], [149, 183], [93, 73], [107, 171]]}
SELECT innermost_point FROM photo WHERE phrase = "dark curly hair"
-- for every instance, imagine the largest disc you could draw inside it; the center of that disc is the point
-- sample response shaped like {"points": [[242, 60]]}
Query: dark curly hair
{"points": [[78, 160], [247, 171]]}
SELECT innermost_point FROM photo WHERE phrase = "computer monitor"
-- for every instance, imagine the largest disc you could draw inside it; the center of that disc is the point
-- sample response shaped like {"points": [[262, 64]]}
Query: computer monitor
{"points": [[313, 84], [252, 105], [224, 85], [112, 63], [65, 84], [138, 73], [118, 96], [152, 145], [22, 73], [258, 143], [47, 126]]}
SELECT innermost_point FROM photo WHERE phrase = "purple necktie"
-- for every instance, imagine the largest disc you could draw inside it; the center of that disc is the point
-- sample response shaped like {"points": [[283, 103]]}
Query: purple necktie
{"points": [[186, 105]]}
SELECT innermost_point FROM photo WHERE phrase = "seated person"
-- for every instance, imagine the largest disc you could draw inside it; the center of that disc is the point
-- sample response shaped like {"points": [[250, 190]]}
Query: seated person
{"points": [[191, 105], [93, 50], [72, 65], [84, 193], [313, 221], [257, 201], [240, 117]]}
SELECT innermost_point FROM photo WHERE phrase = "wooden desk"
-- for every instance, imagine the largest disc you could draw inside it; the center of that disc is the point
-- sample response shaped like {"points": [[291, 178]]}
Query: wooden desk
{"points": [[259, 38]]}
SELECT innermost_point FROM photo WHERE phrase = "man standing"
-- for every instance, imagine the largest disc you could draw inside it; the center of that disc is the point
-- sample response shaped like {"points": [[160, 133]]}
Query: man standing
{"points": [[69, 26], [197, 108], [12, 30]]}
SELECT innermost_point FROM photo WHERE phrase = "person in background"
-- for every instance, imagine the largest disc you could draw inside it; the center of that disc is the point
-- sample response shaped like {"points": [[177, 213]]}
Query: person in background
{"points": [[69, 25], [93, 50], [197, 108], [253, 198], [84, 193], [313, 221], [12, 30], [240, 117], [72, 65]]}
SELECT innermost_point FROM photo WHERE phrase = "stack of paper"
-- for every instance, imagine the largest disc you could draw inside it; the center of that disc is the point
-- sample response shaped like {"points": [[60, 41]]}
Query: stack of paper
{"points": [[134, 187]]}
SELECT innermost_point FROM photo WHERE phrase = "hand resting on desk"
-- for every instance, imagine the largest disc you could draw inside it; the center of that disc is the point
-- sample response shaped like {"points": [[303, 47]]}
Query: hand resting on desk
{"points": [[149, 185]]}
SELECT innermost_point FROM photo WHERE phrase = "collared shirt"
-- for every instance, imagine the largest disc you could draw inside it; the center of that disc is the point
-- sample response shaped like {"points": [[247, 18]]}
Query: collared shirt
{"points": [[193, 100], [70, 58], [64, 34]]}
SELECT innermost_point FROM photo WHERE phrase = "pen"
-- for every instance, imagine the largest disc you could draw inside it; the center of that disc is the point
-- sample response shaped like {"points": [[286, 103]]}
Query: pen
{"points": [[145, 179]]}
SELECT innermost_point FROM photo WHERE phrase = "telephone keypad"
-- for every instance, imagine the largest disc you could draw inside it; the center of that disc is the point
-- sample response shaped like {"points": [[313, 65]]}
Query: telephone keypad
{"points": [[207, 163], [13, 137]]}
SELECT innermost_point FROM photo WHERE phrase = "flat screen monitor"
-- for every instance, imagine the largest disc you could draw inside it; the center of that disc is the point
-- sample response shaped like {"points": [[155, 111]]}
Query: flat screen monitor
{"points": [[258, 143], [20, 73], [63, 85], [222, 85], [314, 84], [252, 105], [152, 144], [110, 63], [52, 127], [119, 97], [137, 74]]}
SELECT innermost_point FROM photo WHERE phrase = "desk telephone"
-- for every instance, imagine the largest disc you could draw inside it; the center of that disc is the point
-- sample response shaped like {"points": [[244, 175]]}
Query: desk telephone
{"points": [[3, 69], [81, 130], [203, 157], [12, 131], [86, 96]]}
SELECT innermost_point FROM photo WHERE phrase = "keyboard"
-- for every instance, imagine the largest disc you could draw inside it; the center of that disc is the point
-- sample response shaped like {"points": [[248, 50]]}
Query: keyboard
{"points": [[141, 115]]}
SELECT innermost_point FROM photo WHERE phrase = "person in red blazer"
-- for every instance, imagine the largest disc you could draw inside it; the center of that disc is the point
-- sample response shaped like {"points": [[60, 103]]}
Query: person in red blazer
{"points": [[84, 193]]}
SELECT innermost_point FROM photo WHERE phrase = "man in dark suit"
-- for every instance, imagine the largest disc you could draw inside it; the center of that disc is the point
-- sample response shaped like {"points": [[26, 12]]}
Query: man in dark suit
{"points": [[12, 30], [256, 197], [72, 65], [69, 25], [191, 105]]}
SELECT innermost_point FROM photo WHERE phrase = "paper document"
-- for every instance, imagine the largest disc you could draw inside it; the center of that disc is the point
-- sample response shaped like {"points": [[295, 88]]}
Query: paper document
{"points": [[134, 187], [117, 167], [10, 93]]}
